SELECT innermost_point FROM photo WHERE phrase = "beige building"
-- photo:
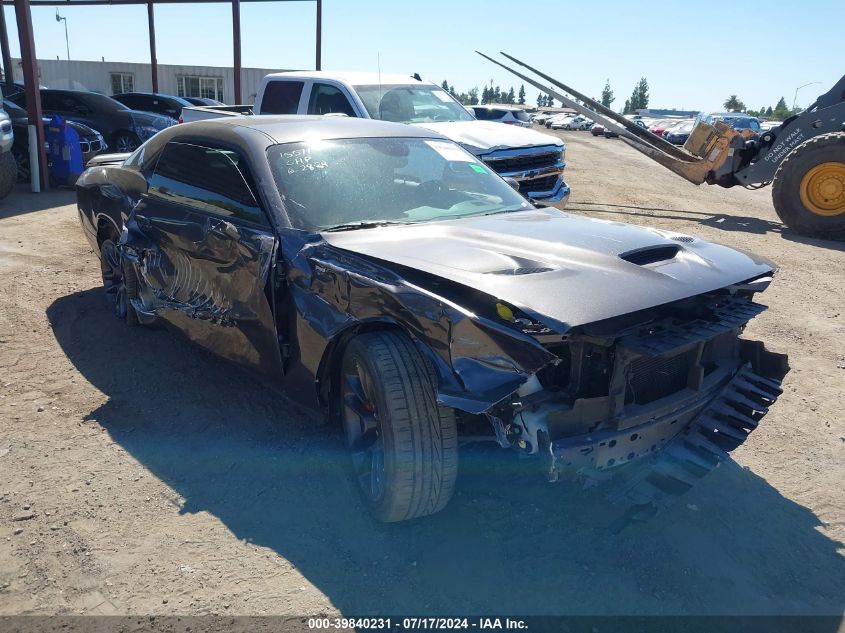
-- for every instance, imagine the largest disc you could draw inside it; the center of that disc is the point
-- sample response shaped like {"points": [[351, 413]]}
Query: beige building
{"points": [[106, 77]]}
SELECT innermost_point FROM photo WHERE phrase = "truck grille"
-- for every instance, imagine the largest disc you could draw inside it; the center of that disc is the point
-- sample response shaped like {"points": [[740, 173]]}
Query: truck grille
{"points": [[546, 183], [653, 377], [524, 162]]}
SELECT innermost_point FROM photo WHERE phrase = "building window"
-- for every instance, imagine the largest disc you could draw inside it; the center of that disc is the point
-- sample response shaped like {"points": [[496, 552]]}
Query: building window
{"points": [[122, 82], [206, 87]]}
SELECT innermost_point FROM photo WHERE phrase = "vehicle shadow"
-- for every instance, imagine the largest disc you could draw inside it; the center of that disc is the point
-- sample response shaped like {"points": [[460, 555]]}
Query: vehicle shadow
{"points": [[508, 543], [745, 224], [22, 201]]}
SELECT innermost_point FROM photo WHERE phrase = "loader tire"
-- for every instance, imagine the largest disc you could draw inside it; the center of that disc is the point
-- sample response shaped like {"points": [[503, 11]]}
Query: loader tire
{"points": [[8, 174], [809, 188], [404, 446]]}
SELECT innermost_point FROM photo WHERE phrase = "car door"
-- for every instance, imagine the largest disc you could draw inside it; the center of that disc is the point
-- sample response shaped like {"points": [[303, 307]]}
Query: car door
{"points": [[207, 250]]}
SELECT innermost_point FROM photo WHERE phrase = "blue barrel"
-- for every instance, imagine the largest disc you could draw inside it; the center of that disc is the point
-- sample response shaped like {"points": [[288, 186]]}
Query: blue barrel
{"points": [[64, 153]]}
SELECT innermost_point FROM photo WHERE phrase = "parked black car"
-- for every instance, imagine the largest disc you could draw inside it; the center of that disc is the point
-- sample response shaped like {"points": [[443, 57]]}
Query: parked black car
{"points": [[123, 129], [381, 272], [167, 105], [91, 142], [203, 101]]}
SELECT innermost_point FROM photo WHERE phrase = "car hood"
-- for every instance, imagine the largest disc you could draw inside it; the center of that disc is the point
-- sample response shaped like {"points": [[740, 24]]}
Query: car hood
{"points": [[481, 137], [564, 270]]}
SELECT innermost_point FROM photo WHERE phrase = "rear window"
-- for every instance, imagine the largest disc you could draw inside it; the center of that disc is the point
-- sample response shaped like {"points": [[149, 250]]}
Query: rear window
{"points": [[488, 114], [522, 115], [281, 97]]}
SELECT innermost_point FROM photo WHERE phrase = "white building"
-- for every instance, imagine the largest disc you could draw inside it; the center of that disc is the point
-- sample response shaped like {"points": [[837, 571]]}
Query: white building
{"points": [[212, 82]]}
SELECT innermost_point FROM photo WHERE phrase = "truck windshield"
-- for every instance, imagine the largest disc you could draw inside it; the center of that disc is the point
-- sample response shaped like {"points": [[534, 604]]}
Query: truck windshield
{"points": [[355, 183], [411, 103]]}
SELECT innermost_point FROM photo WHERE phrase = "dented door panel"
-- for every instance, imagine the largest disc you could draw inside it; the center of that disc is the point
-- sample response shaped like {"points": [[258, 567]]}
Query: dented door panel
{"points": [[207, 276]]}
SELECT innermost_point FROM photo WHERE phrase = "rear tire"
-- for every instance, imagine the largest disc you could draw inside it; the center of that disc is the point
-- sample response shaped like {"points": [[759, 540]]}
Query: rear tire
{"points": [[114, 282], [795, 210], [404, 446], [8, 174]]}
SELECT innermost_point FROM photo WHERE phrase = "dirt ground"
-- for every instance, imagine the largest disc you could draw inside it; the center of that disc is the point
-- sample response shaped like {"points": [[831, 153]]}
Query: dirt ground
{"points": [[139, 475]]}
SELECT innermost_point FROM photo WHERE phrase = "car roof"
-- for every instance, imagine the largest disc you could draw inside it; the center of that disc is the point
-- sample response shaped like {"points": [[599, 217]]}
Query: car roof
{"points": [[351, 78], [157, 95], [293, 129], [498, 106]]}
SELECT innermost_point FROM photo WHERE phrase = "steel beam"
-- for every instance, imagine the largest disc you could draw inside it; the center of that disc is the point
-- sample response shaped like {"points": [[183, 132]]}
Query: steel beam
{"points": [[236, 44], [8, 70], [319, 61], [151, 27], [23, 16]]}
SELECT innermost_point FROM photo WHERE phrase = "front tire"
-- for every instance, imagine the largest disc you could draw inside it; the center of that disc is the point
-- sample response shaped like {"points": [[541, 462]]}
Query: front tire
{"points": [[125, 142], [809, 188], [404, 446]]}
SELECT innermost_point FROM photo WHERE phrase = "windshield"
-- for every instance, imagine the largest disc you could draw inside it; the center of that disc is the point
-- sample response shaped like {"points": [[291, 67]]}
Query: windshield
{"points": [[411, 103], [326, 184]]}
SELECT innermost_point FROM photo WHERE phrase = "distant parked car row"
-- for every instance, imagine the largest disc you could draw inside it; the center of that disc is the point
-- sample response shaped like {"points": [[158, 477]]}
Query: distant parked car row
{"points": [[677, 131], [121, 122]]}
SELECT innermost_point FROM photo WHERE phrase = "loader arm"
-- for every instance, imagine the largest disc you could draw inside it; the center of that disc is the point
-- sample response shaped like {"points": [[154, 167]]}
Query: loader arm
{"points": [[711, 144]]}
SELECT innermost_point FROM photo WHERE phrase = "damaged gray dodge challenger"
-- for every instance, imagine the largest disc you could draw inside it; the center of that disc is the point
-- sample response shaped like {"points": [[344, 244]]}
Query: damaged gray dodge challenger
{"points": [[381, 273]]}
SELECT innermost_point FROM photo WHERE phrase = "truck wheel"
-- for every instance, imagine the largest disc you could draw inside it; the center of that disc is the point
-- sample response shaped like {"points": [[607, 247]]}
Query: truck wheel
{"points": [[404, 446], [8, 174], [809, 188]]}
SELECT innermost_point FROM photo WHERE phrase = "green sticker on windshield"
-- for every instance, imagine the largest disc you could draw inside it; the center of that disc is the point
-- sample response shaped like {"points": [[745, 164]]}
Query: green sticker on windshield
{"points": [[477, 168]]}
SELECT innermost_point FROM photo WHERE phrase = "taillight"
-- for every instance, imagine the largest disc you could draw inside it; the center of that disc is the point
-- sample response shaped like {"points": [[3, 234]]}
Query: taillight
{"points": [[180, 119], [508, 122]]}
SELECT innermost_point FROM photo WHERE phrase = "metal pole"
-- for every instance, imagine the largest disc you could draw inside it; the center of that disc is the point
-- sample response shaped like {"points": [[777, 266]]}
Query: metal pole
{"points": [[236, 53], [23, 16], [8, 69], [151, 25], [795, 98], [67, 41], [319, 35]]}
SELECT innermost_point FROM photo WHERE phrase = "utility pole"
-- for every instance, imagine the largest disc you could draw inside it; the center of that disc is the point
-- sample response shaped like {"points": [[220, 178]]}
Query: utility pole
{"points": [[67, 42]]}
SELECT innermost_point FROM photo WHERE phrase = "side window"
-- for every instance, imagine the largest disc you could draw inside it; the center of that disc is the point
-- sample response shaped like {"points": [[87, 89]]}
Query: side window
{"points": [[281, 97], [326, 99], [213, 180], [50, 101], [130, 101]]}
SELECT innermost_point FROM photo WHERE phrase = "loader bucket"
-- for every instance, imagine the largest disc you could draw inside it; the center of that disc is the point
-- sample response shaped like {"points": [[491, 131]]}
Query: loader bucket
{"points": [[707, 149]]}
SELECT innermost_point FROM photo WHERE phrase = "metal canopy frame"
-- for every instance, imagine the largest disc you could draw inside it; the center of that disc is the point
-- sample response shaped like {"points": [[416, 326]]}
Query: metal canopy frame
{"points": [[23, 16]]}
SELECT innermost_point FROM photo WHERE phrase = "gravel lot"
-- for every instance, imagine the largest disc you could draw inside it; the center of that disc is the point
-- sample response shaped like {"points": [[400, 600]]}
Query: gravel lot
{"points": [[139, 475]]}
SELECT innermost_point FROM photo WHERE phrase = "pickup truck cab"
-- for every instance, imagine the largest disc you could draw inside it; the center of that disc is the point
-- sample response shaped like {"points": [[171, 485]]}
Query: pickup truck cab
{"points": [[533, 159]]}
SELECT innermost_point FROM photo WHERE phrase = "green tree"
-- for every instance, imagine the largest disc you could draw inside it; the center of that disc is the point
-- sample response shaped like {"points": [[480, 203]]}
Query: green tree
{"points": [[639, 98], [627, 108], [473, 96], [445, 85], [522, 95], [511, 96], [541, 100], [781, 111], [485, 96], [607, 95], [733, 104]]}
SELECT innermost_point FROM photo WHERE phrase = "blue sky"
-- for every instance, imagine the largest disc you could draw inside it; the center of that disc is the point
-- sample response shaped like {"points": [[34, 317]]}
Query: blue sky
{"points": [[693, 54]]}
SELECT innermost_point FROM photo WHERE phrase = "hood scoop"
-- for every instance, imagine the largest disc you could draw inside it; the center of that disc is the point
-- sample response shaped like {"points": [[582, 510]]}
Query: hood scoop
{"points": [[522, 266], [521, 271], [650, 255]]}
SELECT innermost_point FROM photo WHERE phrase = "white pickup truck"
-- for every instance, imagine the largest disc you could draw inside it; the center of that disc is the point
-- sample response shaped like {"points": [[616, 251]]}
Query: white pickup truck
{"points": [[534, 160]]}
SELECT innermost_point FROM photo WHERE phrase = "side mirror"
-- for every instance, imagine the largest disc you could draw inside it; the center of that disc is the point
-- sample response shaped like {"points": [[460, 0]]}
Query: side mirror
{"points": [[513, 182]]}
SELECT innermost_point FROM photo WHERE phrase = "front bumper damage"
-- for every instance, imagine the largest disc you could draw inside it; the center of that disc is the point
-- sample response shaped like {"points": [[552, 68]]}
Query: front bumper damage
{"points": [[719, 388]]}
